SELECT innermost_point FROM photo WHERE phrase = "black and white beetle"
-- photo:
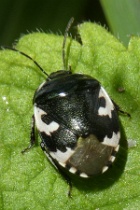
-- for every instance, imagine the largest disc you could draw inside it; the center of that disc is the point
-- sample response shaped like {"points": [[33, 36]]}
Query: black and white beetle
{"points": [[76, 120]]}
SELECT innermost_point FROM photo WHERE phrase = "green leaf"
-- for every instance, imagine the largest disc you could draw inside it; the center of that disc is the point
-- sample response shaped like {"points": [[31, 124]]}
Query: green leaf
{"points": [[123, 18], [29, 181]]}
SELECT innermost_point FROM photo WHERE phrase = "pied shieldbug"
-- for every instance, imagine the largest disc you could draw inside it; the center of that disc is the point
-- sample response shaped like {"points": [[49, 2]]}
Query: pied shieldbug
{"points": [[76, 120]]}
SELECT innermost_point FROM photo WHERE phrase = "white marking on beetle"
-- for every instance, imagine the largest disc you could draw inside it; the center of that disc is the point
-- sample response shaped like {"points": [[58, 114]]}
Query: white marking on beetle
{"points": [[112, 158], [103, 111], [84, 175], [73, 170], [117, 148], [41, 126], [62, 157], [104, 169], [62, 94], [62, 164], [113, 141]]}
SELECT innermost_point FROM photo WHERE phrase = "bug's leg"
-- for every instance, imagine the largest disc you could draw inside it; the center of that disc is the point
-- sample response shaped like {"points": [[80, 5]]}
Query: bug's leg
{"points": [[123, 112], [119, 110], [32, 136], [70, 188], [56, 165]]}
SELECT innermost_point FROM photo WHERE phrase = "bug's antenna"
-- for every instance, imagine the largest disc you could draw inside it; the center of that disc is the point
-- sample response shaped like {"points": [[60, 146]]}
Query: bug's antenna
{"points": [[64, 41], [27, 56]]}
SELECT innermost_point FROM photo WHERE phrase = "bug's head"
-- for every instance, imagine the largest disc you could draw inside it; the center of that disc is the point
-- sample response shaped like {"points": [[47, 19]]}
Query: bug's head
{"points": [[59, 73]]}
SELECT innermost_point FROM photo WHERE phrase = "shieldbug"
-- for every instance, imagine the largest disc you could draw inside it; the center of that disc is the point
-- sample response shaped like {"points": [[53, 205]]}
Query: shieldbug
{"points": [[76, 120]]}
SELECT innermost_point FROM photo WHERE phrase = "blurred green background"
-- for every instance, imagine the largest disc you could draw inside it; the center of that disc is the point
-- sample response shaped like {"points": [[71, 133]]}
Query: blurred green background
{"points": [[18, 17]]}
